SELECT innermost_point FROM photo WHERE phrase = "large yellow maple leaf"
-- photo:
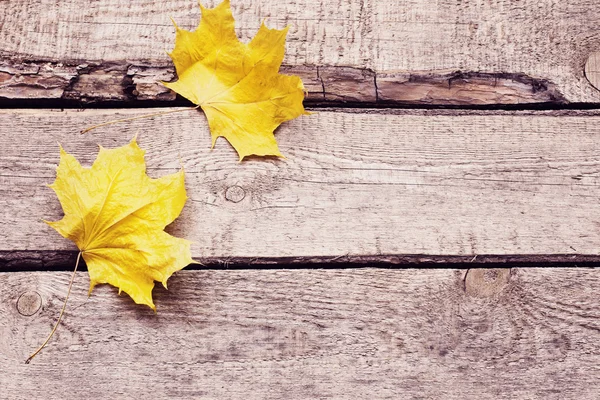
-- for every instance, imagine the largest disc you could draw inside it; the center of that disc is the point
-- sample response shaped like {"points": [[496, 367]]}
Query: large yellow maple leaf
{"points": [[237, 85], [116, 215]]}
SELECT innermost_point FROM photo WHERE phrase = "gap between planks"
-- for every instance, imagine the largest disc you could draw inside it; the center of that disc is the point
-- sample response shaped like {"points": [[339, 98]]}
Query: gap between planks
{"points": [[37, 260]]}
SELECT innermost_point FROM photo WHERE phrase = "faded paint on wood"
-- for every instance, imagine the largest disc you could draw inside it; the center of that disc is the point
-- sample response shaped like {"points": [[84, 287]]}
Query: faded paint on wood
{"points": [[298, 334], [353, 184], [533, 51]]}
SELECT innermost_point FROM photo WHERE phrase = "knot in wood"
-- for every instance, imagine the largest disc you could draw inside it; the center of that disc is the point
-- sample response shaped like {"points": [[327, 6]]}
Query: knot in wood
{"points": [[29, 303], [592, 70], [486, 282], [235, 194]]}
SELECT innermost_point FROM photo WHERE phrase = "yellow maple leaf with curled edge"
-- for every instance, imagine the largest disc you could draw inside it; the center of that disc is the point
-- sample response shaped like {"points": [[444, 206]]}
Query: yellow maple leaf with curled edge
{"points": [[237, 85], [116, 215]]}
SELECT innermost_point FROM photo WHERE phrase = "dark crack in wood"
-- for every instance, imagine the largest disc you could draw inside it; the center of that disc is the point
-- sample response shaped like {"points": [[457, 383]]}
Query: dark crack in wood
{"points": [[128, 83]]}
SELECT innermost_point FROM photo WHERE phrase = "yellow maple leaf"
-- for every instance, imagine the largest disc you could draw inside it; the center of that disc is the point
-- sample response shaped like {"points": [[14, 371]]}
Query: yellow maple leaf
{"points": [[116, 215], [237, 85]]}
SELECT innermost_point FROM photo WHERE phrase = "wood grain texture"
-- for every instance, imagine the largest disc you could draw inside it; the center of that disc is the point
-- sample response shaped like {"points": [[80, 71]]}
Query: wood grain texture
{"points": [[353, 184], [592, 69], [443, 52], [298, 334]]}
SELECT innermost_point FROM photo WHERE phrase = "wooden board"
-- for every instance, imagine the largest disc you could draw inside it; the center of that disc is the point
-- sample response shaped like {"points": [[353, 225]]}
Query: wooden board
{"points": [[305, 334], [375, 185], [378, 51]]}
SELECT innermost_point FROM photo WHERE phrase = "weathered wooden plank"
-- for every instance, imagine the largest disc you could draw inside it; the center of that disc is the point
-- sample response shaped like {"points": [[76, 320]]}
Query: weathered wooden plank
{"points": [[297, 334], [408, 52], [353, 184]]}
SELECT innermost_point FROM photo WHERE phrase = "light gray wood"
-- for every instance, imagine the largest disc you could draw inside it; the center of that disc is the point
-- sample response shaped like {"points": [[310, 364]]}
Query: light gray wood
{"points": [[353, 184], [531, 51], [300, 334]]}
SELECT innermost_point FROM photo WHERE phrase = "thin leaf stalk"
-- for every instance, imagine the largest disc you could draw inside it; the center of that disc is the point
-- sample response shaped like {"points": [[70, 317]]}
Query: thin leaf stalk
{"points": [[115, 121], [61, 313]]}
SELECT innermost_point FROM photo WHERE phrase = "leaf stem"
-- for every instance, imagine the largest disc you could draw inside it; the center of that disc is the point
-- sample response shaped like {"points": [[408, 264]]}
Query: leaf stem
{"points": [[138, 117], [61, 312]]}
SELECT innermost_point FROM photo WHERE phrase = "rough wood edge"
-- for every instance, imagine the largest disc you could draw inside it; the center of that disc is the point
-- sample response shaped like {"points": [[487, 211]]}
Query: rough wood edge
{"points": [[84, 83]]}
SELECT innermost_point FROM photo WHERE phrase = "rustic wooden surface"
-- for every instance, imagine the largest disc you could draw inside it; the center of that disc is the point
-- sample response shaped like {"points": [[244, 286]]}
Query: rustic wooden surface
{"points": [[376, 184], [369, 185], [306, 334], [407, 52]]}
